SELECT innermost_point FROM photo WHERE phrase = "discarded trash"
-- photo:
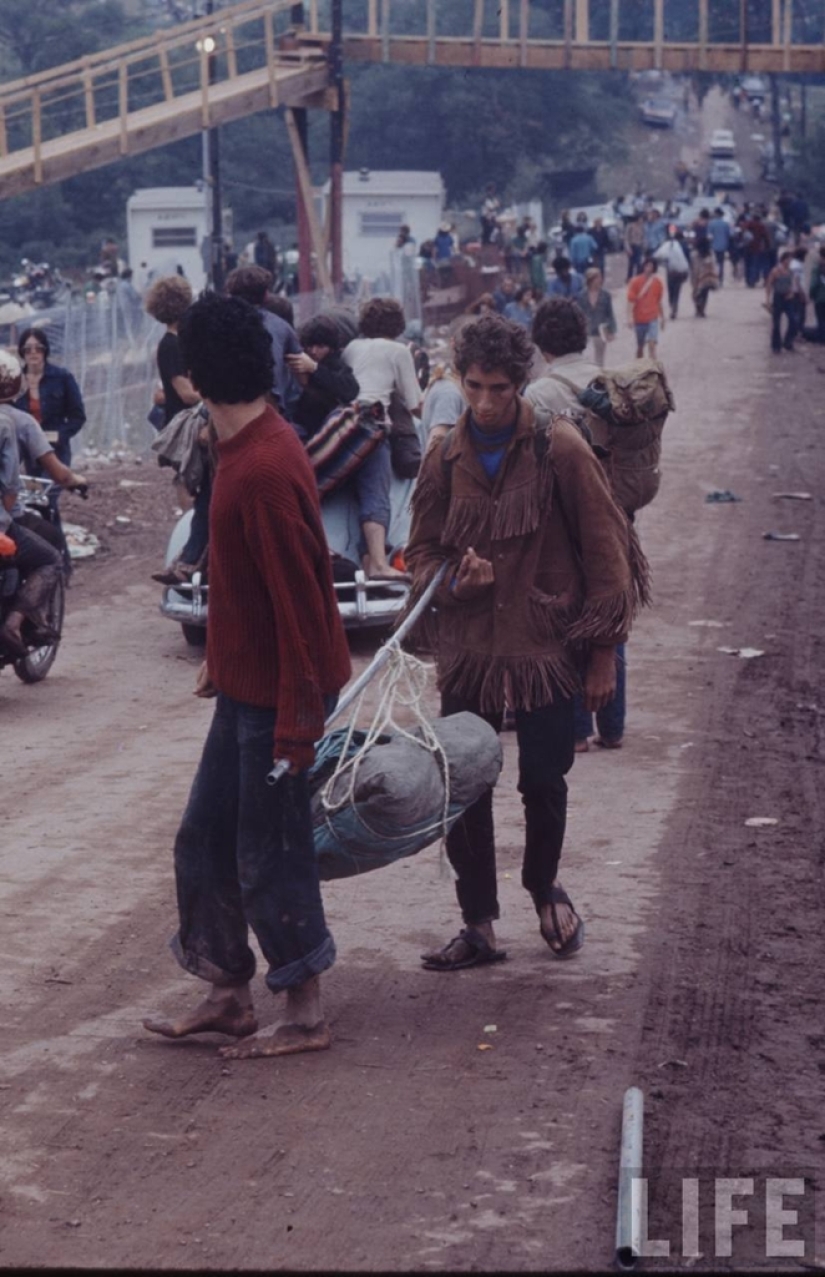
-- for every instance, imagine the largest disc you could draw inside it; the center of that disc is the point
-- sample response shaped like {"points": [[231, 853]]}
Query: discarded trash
{"points": [[491, 1028], [721, 495], [746, 653], [758, 822], [675, 1064], [133, 483], [82, 543], [780, 536], [122, 518], [709, 625], [792, 496], [484, 1046]]}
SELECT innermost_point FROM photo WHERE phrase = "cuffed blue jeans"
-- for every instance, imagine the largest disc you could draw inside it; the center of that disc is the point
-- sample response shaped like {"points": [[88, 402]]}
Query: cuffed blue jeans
{"points": [[610, 720], [245, 857]]}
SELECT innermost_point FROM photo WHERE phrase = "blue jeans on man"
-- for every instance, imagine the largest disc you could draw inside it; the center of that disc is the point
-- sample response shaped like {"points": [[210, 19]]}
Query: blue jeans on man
{"points": [[245, 857], [610, 720]]}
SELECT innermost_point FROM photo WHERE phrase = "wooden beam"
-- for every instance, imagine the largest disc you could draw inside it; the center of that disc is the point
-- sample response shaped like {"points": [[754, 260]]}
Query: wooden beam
{"points": [[658, 32], [703, 35], [776, 23], [582, 21], [478, 27], [166, 75], [231, 55], [313, 17], [204, 76], [614, 33], [37, 137], [372, 18], [504, 20], [568, 31], [787, 35], [523, 29], [89, 94], [269, 42], [305, 187], [431, 30], [4, 141], [385, 30], [123, 106]]}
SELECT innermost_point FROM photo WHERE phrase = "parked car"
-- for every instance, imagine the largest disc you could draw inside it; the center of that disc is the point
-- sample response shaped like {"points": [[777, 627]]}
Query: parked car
{"points": [[362, 603], [726, 175], [722, 144], [658, 112]]}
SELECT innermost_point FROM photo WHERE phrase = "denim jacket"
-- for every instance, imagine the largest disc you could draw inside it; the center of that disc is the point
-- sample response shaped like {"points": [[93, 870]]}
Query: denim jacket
{"points": [[62, 412]]}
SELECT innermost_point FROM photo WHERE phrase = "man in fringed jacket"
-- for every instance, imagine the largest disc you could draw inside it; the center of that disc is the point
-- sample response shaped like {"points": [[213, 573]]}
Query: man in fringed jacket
{"points": [[544, 577]]}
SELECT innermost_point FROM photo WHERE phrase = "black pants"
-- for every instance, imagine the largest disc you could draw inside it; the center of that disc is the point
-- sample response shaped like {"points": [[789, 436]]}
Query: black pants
{"points": [[198, 540], [32, 550], [675, 280], [545, 741], [42, 528]]}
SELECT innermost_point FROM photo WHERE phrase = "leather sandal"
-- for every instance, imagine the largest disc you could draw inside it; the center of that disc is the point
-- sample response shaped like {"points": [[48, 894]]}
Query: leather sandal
{"points": [[480, 952]]}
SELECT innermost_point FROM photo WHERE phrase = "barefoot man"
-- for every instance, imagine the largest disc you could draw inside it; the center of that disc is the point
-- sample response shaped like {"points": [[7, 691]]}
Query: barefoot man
{"points": [[538, 593], [276, 650]]}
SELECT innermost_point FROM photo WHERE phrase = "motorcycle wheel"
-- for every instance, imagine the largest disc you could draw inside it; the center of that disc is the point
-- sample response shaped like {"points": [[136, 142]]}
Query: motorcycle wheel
{"points": [[195, 635], [34, 667]]}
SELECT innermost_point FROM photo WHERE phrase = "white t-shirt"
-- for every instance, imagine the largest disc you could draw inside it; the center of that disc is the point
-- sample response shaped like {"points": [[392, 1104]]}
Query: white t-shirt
{"points": [[31, 440], [549, 394], [443, 404], [381, 366]]}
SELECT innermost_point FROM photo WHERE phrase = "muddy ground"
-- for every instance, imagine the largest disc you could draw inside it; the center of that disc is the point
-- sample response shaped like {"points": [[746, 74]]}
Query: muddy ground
{"points": [[408, 1146]]}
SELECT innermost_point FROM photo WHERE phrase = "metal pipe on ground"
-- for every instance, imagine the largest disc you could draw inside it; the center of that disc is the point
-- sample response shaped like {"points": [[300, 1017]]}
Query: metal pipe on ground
{"points": [[629, 1221]]}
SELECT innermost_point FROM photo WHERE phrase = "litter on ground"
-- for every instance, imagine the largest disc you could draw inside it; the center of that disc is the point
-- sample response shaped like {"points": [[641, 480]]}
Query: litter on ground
{"points": [[746, 653], [792, 496], [81, 542], [780, 536], [708, 625], [758, 822], [720, 496]]}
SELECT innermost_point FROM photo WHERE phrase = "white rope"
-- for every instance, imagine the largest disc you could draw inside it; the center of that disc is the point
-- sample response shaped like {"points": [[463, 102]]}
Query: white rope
{"points": [[403, 684]]}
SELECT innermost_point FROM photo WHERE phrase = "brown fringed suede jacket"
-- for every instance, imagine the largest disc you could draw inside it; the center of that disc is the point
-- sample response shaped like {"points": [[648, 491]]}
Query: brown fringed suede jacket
{"points": [[568, 568]]}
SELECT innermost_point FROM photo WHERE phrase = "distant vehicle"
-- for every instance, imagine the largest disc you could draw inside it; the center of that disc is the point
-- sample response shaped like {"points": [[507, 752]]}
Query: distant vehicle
{"points": [[722, 144], [658, 112], [754, 88], [726, 174]]}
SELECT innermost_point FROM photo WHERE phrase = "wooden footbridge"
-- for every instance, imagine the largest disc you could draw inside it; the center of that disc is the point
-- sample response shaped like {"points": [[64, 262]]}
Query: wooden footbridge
{"points": [[267, 53]]}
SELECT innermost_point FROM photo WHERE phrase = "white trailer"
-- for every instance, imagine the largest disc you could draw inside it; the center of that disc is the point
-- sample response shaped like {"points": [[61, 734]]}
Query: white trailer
{"points": [[167, 229]]}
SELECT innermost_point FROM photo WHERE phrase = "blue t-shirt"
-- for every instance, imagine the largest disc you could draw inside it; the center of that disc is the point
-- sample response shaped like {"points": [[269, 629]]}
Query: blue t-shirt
{"points": [[556, 287], [491, 447], [719, 234]]}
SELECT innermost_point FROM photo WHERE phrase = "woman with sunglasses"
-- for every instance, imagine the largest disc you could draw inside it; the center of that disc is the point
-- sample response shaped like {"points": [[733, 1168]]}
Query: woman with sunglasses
{"points": [[50, 394]]}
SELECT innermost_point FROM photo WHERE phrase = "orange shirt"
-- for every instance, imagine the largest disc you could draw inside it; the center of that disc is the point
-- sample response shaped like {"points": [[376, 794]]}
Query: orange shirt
{"points": [[645, 309]]}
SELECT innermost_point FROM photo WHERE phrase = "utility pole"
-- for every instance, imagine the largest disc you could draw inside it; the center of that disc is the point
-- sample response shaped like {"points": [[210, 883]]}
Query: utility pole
{"points": [[776, 126], [336, 79], [214, 153]]}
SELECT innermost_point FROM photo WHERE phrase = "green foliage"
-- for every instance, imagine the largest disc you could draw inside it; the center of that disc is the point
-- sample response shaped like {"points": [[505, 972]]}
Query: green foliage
{"points": [[42, 34]]}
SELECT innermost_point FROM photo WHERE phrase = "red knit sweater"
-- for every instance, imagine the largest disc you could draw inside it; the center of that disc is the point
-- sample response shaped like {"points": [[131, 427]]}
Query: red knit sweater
{"points": [[275, 637]]}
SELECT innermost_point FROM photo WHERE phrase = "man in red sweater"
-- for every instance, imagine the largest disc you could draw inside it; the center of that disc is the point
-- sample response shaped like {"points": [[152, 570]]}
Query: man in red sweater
{"points": [[276, 658]]}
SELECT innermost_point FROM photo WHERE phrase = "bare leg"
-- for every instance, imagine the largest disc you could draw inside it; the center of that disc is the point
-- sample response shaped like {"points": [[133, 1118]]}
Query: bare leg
{"points": [[300, 1028], [375, 536], [651, 348], [225, 1010]]}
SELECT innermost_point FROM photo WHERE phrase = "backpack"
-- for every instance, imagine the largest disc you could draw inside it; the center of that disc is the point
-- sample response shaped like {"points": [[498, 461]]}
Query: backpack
{"points": [[625, 413]]}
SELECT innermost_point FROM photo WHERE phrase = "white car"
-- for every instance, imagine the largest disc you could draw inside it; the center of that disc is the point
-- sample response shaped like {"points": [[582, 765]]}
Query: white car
{"points": [[726, 174], [660, 113], [722, 144]]}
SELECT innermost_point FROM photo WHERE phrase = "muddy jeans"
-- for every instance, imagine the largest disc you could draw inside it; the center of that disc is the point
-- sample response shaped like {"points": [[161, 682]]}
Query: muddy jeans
{"points": [[545, 744], [245, 857]]}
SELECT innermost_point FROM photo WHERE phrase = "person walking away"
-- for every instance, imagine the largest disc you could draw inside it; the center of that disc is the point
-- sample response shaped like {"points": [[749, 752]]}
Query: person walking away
{"points": [[756, 248], [703, 276], [537, 258], [655, 230], [252, 283], [520, 309], [719, 231], [326, 381], [561, 337], [644, 308], [816, 292], [601, 235], [276, 651], [483, 504], [798, 295], [582, 248], [779, 288], [596, 305], [565, 282], [381, 365], [634, 239], [264, 254], [167, 301], [672, 255]]}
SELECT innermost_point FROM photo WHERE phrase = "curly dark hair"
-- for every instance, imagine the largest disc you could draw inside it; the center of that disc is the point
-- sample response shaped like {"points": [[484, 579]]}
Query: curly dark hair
{"points": [[559, 327], [320, 331], [249, 282], [226, 350], [493, 343], [381, 317], [168, 298]]}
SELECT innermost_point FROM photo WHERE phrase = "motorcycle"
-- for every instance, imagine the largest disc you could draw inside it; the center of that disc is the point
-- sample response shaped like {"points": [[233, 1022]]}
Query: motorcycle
{"points": [[40, 657]]}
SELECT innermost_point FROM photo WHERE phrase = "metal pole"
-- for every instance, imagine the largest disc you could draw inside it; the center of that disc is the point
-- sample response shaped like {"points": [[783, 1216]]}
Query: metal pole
{"points": [[304, 233], [215, 183], [336, 79], [776, 126], [378, 662], [629, 1207]]}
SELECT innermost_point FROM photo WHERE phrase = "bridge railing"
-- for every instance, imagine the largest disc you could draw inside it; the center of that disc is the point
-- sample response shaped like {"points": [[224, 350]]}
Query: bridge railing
{"points": [[153, 71]]}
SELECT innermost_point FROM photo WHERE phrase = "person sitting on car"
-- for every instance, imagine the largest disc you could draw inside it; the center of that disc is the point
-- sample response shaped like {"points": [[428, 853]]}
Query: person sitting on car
{"points": [[381, 365], [327, 382]]}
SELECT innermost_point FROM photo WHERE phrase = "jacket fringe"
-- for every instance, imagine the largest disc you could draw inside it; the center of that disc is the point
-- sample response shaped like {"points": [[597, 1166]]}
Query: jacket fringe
{"points": [[467, 523], [528, 682], [426, 492], [639, 569], [517, 513], [605, 618]]}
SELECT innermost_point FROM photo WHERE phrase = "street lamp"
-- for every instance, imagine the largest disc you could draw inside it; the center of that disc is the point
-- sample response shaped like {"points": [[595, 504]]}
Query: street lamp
{"points": [[212, 163]]}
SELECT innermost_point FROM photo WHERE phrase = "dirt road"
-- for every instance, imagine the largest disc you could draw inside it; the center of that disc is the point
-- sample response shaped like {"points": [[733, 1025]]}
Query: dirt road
{"points": [[408, 1146]]}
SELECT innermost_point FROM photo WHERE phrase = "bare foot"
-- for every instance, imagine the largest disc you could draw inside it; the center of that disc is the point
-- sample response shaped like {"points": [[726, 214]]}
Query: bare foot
{"points": [[281, 1039], [383, 572], [563, 929], [227, 1014]]}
